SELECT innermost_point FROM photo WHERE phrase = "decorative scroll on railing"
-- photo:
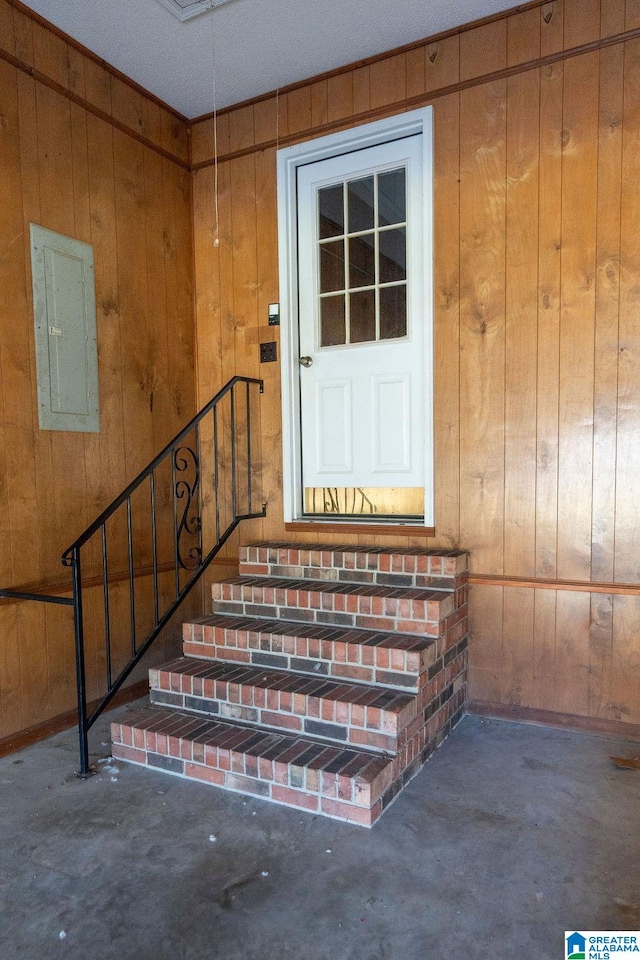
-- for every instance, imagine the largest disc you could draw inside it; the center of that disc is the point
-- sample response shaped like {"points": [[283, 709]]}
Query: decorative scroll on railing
{"points": [[189, 523], [169, 523]]}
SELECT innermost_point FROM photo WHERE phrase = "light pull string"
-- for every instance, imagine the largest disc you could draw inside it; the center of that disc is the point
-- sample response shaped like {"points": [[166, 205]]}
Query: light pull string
{"points": [[216, 230]]}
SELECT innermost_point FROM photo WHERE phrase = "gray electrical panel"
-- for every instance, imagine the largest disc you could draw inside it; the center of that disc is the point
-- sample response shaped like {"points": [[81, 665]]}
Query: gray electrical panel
{"points": [[64, 307]]}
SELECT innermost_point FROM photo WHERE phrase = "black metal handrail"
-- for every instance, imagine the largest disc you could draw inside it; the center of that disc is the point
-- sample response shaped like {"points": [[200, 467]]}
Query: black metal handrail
{"points": [[199, 516]]}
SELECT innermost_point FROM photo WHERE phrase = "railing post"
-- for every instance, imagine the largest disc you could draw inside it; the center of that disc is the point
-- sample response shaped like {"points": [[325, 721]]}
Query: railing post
{"points": [[78, 626]]}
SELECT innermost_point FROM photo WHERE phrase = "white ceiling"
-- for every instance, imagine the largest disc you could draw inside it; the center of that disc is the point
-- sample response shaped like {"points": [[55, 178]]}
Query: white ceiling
{"points": [[256, 45]]}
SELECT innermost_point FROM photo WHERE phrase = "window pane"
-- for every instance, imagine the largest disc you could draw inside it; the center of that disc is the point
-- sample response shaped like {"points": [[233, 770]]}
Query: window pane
{"points": [[331, 211], [360, 200], [362, 261], [362, 316], [392, 203], [393, 255], [332, 326], [332, 266], [393, 312]]}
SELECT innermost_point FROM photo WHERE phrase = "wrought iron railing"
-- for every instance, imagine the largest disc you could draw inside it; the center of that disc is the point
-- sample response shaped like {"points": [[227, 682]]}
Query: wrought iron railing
{"points": [[160, 534]]}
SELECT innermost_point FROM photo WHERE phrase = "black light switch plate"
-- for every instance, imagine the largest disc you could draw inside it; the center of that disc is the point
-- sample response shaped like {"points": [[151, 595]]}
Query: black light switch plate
{"points": [[268, 352]]}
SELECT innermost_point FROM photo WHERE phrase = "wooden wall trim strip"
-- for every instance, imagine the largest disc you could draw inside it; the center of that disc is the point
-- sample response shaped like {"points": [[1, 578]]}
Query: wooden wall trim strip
{"points": [[61, 587], [90, 108], [85, 51], [548, 583], [376, 58], [64, 721], [421, 99], [549, 718]]}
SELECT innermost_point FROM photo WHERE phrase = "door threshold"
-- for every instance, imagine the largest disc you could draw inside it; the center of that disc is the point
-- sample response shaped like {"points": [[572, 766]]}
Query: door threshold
{"points": [[387, 529]]}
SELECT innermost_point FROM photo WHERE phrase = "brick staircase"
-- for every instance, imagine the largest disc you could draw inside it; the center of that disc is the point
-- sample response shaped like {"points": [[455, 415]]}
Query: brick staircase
{"points": [[324, 679]]}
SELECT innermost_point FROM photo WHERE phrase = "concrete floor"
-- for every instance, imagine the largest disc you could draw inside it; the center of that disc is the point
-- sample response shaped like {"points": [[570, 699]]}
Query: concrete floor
{"points": [[509, 836]]}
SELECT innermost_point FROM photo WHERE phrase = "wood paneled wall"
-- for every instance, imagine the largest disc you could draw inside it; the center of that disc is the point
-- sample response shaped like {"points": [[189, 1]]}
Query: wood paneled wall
{"points": [[86, 154], [537, 329], [537, 130]]}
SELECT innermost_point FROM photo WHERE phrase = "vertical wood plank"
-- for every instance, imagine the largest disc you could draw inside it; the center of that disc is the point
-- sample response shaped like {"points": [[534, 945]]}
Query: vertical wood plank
{"points": [[151, 121], [573, 621], [446, 288], [486, 643], [605, 412], [97, 85], [319, 103], [388, 80], [600, 655], [202, 141], [361, 90], [207, 284], [104, 237], [631, 15], [483, 49], [178, 234], [581, 23], [544, 649], [243, 218], [241, 131], [579, 190], [340, 96], [625, 666], [551, 27], [265, 120], [77, 60], [10, 685], [23, 31], [517, 646], [155, 227], [442, 65], [627, 532], [175, 138], [482, 318], [415, 67], [299, 109], [523, 109], [126, 104], [282, 116], [7, 32], [50, 54], [269, 406], [137, 380], [523, 36], [549, 258], [226, 342], [612, 17]]}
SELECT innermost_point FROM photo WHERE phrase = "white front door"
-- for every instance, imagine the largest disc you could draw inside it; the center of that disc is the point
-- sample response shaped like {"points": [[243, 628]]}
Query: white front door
{"points": [[362, 323], [354, 223]]}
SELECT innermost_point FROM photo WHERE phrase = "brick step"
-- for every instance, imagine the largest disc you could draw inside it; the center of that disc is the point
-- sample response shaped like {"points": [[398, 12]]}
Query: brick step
{"points": [[409, 610], [369, 656], [386, 566], [357, 714], [341, 782]]}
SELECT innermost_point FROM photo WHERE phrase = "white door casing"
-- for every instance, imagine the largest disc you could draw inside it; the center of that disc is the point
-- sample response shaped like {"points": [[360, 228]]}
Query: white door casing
{"points": [[390, 380]]}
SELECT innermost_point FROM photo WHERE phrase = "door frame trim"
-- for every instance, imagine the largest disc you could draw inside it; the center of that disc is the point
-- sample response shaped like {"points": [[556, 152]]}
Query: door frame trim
{"points": [[288, 160]]}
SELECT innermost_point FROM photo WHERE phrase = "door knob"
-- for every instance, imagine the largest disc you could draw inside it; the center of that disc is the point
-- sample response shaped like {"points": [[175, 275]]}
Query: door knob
{"points": [[306, 361]]}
